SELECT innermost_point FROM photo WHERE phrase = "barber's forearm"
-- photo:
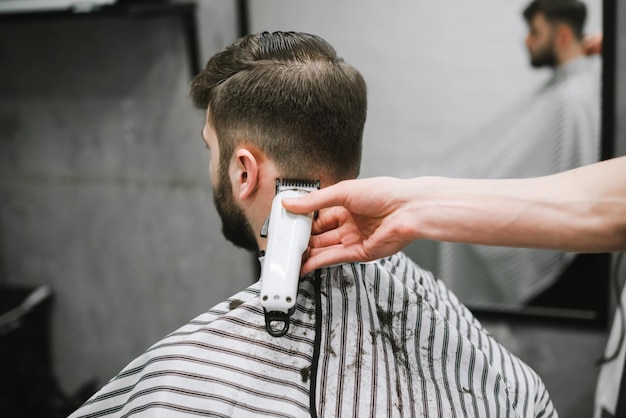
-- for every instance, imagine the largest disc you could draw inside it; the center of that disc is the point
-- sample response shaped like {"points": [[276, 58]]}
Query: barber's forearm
{"points": [[580, 211]]}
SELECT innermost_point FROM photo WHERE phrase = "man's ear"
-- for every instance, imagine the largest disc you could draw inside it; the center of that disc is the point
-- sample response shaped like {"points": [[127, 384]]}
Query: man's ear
{"points": [[244, 174], [564, 35]]}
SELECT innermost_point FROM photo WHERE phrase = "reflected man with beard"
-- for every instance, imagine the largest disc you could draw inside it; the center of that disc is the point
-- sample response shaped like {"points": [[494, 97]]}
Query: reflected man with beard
{"points": [[555, 129], [555, 32]]}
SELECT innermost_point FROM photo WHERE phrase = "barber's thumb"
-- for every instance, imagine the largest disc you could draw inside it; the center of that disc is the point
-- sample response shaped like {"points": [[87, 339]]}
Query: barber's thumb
{"points": [[293, 204]]}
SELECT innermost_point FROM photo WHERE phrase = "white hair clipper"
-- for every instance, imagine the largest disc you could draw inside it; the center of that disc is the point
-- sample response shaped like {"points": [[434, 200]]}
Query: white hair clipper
{"points": [[288, 237]]}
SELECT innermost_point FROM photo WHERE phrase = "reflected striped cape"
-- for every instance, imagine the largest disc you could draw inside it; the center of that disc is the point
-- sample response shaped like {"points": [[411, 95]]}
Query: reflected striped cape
{"points": [[367, 339]]}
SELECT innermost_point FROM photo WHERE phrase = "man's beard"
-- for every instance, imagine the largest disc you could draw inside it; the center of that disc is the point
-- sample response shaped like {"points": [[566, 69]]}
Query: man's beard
{"points": [[544, 57], [235, 226]]}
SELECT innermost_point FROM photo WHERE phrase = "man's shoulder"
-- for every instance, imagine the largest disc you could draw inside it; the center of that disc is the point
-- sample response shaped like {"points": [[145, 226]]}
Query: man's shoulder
{"points": [[585, 74]]}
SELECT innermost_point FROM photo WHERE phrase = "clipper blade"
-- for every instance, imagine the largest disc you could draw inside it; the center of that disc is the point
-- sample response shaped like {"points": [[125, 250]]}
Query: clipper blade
{"points": [[296, 184]]}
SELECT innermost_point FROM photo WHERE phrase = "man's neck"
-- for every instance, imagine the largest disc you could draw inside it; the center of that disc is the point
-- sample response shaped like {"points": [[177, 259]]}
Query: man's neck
{"points": [[570, 54]]}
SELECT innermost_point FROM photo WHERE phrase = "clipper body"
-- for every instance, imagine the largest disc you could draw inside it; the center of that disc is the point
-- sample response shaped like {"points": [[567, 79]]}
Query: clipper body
{"points": [[288, 237]]}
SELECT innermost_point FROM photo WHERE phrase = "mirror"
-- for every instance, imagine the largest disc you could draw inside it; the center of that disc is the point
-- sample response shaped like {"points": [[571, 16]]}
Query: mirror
{"points": [[452, 93]]}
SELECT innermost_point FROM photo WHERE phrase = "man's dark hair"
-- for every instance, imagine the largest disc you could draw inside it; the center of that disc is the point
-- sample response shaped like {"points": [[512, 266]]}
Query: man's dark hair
{"points": [[571, 12], [289, 95]]}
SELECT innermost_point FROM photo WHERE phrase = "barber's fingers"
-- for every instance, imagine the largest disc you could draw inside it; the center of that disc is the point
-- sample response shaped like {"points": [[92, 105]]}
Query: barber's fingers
{"points": [[325, 239], [329, 219], [593, 44], [334, 195], [318, 258]]}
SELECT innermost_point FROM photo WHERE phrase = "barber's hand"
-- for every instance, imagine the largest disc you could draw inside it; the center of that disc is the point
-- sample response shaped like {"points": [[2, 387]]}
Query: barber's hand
{"points": [[593, 44], [359, 220]]}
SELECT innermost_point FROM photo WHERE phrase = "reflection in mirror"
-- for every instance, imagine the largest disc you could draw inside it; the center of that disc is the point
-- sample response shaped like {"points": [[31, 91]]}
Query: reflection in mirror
{"points": [[554, 127], [474, 89]]}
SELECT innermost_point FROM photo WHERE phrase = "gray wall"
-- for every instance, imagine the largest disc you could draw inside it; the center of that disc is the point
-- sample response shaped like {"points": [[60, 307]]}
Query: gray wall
{"points": [[104, 183]]}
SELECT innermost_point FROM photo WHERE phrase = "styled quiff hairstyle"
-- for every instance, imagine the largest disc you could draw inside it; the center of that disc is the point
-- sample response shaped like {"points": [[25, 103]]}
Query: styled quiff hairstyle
{"points": [[571, 12], [289, 95]]}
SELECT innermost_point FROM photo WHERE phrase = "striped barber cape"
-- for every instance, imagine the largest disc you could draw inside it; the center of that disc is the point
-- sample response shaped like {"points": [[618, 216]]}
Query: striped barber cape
{"points": [[366, 340]]}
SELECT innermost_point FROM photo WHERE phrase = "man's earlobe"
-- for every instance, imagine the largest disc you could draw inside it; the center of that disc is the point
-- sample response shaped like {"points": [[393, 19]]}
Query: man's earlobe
{"points": [[246, 173]]}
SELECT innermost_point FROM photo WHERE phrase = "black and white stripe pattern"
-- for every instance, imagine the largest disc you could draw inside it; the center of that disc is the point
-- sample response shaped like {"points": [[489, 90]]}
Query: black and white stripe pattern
{"points": [[374, 339]]}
